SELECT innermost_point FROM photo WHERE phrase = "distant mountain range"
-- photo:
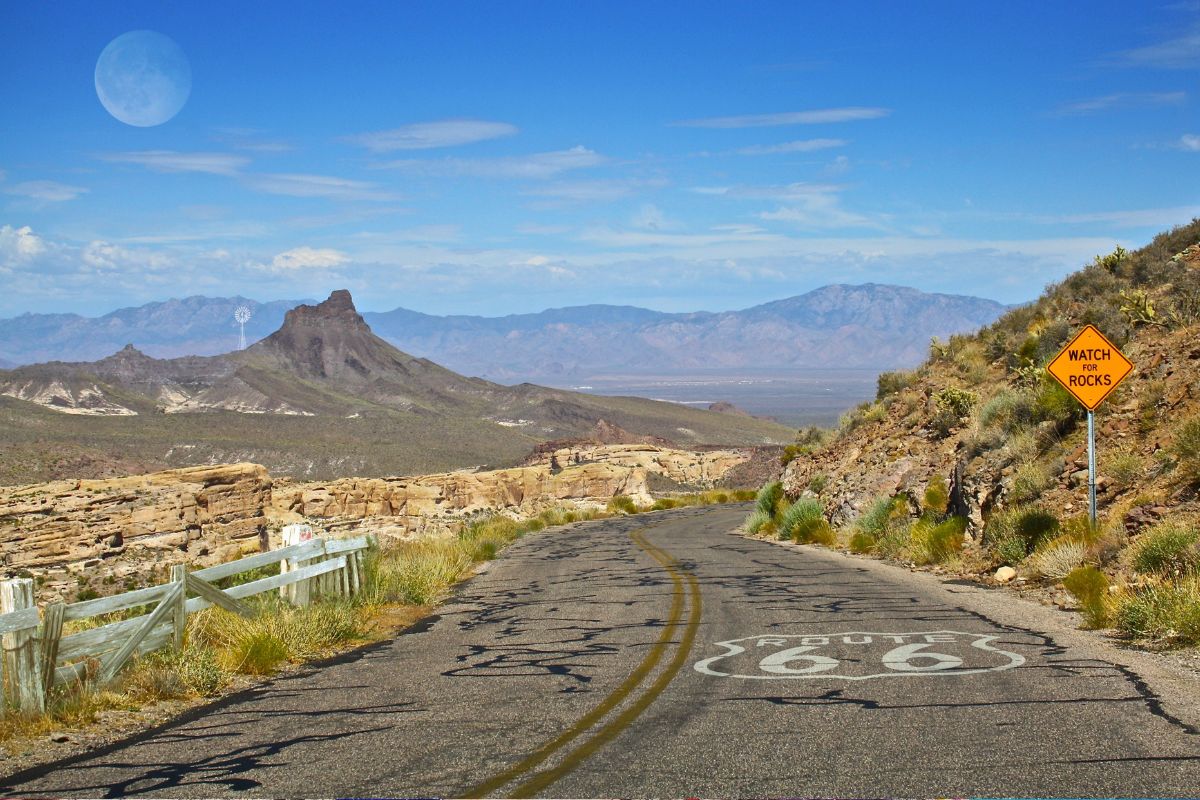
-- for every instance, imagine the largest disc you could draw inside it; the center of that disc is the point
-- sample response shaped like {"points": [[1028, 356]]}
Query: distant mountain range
{"points": [[322, 396], [869, 326]]}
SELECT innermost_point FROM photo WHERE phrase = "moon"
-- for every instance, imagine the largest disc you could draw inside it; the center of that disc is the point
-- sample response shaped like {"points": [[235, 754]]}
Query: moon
{"points": [[143, 78]]}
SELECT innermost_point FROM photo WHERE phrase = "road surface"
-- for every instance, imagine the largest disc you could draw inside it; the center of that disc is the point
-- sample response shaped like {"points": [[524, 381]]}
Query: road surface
{"points": [[660, 655]]}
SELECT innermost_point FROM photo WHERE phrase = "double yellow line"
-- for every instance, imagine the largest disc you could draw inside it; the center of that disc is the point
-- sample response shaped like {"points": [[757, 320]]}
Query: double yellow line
{"points": [[604, 734]]}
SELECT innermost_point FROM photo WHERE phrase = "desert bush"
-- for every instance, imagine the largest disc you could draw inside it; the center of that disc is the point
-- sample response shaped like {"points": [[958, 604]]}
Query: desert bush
{"points": [[1019, 530], [1090, 587], [1167, 549], [416, 573], [889, 383], [862, 542], [1053, 403], [742, 495], [1011, 550], [168, 673], [1058, 557], [1186, 449], [1029, 481], [1166, 612], [1123, 468], [757, 519], [935, 542], [1008, 409], [937, 495], [800, 518], [885, 515], [818, 482], [767, 498], [622, 504], [956, 401]]}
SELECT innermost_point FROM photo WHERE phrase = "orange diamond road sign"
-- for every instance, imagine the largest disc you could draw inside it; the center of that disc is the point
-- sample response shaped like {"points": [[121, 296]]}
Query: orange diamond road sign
{"points": [[1090, 367]]}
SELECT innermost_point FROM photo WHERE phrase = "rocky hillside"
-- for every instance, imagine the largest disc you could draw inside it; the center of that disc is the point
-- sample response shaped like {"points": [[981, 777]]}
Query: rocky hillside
{"points": [[983, 414], [322, 396], [869, 326]]}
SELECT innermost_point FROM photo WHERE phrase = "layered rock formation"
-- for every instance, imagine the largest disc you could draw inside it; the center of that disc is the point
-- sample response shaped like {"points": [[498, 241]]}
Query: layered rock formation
{"points": [[128, 531], [129, 528]]}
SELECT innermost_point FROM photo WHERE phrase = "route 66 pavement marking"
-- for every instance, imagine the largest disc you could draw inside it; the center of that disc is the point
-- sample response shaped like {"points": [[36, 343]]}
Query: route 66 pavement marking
{"points": [[859, 655]]}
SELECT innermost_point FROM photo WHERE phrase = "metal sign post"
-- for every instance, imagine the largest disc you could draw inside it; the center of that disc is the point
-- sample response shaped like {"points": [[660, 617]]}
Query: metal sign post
{"points": [[1090, 367], [1092, 466]]}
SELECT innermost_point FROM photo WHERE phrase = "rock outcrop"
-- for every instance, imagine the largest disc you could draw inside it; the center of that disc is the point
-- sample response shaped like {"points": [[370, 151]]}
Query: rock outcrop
{"points": [[128, 528]]}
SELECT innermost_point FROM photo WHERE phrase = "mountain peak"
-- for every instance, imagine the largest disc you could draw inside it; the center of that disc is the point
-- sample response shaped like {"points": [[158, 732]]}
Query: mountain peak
{"points": [[339, 307]]}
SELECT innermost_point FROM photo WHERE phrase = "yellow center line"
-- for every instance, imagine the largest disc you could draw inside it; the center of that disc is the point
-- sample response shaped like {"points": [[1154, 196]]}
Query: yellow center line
{"points": [[609, 731], [613, 699]]}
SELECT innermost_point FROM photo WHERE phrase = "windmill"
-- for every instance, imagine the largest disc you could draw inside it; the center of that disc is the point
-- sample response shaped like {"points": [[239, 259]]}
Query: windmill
{"points": [[242, 315]]}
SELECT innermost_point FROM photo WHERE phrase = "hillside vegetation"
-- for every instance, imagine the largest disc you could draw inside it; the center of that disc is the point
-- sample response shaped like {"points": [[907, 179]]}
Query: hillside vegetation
{"points": [[977, 459]]}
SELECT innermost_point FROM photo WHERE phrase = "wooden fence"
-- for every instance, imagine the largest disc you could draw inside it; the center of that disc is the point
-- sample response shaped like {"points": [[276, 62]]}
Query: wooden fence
{"points": [[37, 656]]}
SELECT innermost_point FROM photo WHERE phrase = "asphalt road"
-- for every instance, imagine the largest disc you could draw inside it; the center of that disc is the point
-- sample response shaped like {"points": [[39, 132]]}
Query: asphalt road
{"points": [[659, 655]]}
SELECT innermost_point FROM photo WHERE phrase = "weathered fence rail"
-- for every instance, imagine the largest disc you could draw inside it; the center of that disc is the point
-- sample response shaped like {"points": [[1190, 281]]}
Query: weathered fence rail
{"points": [[37, 656]]}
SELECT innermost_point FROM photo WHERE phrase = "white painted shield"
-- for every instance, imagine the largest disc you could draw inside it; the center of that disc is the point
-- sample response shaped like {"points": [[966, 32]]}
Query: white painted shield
{"points": [[859, 655]]}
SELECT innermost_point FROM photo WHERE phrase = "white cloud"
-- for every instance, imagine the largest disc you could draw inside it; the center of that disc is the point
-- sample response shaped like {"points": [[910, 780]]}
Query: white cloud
{"points": [[817, 117], [1122, 100], [1182, 52], [298, 185], [171, 161], [537, 166], [597, 191], [102, 256], [798, 146], [1129, 218], [428, 135], [45, 191], [650, 217], [19, 244], [308, 258], [1190, 142]]}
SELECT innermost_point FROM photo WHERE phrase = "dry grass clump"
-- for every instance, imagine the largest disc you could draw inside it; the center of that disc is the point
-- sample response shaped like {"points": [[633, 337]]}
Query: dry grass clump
{"points": [[1166, 613]]}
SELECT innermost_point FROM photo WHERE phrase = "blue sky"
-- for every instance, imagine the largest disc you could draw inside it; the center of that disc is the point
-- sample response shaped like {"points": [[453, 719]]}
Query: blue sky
{"points": [[495, 158]]}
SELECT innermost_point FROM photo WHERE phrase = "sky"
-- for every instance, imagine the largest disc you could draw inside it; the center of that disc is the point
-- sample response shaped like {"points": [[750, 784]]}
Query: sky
{"points": [[495, 158]]}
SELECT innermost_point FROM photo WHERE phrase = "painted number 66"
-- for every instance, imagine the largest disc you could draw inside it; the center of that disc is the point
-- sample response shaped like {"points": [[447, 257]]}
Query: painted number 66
{"points": [[899, 659]]}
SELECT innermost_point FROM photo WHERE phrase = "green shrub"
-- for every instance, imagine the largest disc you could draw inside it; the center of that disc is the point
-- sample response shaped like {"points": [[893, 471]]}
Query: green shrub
{"points": [[743, 495], [622, 504], [664, 504], [1186, 449], [768, 496], [937, 495], [1019, 530], [1090, 587], [956, 401], [1169, 613], [889, 383], [1007, 410], [1011, 550], [818, 482], [885, 514], [814, 532], [934, 543], [1167, 549], [1058, 557], [1029, 482], [862, 542], [803, 513], [1123, 468], [757, 519], [1055, 404]]}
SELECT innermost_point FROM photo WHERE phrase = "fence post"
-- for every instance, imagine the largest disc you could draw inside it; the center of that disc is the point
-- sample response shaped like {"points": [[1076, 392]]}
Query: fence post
{"points": [[297, 593], [52, 622], [22, 657], [179, 613]]}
